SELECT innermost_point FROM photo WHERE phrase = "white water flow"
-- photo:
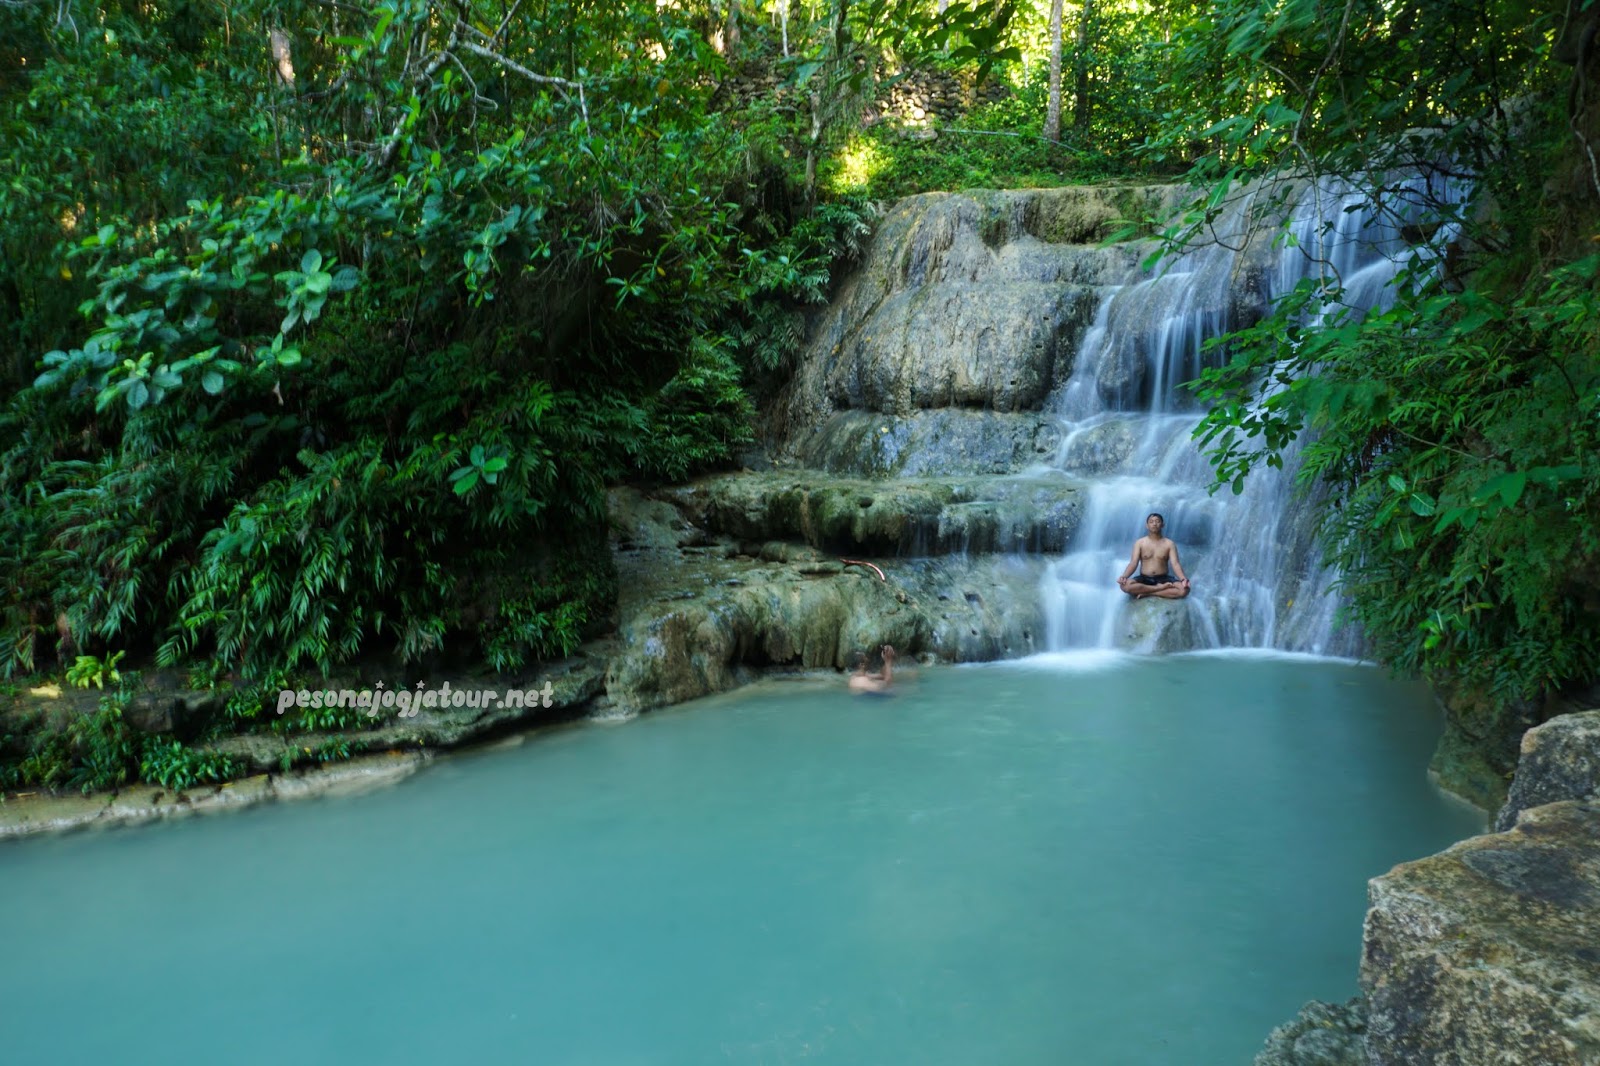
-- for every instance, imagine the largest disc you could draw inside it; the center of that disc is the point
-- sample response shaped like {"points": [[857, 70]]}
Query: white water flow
{"points": [[1127, 429]]}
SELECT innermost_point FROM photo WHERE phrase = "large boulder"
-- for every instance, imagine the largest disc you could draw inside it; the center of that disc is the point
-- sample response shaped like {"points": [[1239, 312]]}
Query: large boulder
{"points": [[1560, 761], [1489, 952], [1156, 626]]}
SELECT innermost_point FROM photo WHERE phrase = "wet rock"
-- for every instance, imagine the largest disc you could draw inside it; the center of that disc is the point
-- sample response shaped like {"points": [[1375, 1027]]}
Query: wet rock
{"points": [[31, 815], [1489, 952], [1120, 377], [1100, 450], [183, 713], [967, 300], [996, 347], [1153, 625], [673, 649], [1477, 754], [1560, 761], [937, 443], [902, 517], [1322, 1034], [639, 521]]}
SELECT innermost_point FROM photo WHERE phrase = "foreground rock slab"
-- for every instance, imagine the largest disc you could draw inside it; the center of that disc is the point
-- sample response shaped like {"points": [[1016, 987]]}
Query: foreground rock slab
{"points": [[1489, 952], [32, 815]]}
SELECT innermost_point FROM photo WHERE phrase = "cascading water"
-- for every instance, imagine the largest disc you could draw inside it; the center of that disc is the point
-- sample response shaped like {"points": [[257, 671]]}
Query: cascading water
{"points": [[1127, 428]]}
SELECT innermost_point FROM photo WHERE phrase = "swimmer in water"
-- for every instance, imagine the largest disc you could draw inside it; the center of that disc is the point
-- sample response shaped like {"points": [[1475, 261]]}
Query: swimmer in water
{"points": [[861, 681]]}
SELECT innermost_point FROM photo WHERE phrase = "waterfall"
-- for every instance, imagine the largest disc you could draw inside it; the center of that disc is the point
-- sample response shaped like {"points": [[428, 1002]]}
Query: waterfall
{"points": [[1126, 424]]}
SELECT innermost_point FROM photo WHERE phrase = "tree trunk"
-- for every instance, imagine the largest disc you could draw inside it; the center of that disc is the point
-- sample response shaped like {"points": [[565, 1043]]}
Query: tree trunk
{"points": [[1080, 110], [730, 34], [813, 146], [1052, 114]]}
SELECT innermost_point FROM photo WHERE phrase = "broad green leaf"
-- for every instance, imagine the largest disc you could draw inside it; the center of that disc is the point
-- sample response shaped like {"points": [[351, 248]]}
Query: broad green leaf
{"points": [[1507, 486]]}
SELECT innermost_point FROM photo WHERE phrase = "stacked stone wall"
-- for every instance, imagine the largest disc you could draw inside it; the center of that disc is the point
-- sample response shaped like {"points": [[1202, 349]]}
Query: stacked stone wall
{"points": [[915, 100]]}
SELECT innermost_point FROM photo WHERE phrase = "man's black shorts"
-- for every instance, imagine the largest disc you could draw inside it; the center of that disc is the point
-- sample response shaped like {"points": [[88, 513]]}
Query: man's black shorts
{"points": [[1155, 579]]}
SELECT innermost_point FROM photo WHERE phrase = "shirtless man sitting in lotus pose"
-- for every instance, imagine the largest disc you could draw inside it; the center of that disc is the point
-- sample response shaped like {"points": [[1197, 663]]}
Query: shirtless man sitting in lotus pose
{"points": [[1156, 558]]}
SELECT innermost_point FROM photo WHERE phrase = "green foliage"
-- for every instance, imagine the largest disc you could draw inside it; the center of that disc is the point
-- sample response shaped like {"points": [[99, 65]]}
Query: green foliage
{"points": [[89, 670], [245, 703], [1449, 441], [348, 366], [94, 752], [323, 719], [170, 764], [334, 749], [209, 675], [1460, 432], [1366, 90]]}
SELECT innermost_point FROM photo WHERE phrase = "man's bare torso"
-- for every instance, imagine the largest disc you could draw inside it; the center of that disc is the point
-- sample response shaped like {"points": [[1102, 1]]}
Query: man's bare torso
{"points": [[1154, 556]]}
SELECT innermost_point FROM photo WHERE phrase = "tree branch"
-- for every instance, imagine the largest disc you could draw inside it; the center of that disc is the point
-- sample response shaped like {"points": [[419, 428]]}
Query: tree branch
{"points": [[439, 59], [512, 65]]}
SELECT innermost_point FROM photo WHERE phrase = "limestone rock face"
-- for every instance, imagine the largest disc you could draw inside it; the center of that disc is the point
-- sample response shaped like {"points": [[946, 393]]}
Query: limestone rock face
{"points": [[1489, 952], [707, 623], [961, 345], [1560, 761], [184, 713], [943, 442], [965, 302], [1477, 754], [1121, 375], [1102, 449], [749, 592], [903, 517]]}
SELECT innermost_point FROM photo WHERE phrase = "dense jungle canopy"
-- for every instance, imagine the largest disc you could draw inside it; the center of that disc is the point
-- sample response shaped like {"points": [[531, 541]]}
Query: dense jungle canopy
{"points": [[326, 323]]}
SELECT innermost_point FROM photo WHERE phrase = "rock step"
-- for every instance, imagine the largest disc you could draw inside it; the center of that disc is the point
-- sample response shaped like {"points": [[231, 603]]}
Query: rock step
{"points": [[911, 517]]}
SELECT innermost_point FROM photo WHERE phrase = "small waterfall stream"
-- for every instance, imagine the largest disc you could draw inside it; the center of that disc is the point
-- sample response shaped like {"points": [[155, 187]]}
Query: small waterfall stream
{"points": [[1127, 424]]}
